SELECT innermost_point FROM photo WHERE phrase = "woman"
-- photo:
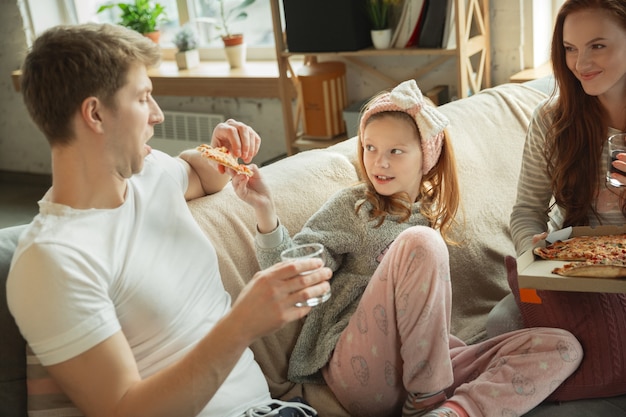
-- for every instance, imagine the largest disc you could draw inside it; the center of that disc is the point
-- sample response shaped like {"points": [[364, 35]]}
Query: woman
{"points": [[564, 154], [563, 183]]}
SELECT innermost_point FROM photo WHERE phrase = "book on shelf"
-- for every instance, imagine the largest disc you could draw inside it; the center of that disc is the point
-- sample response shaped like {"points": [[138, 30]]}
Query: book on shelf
{"points": [[414, 40], [409, 19], [448, 40], [431, 31]]}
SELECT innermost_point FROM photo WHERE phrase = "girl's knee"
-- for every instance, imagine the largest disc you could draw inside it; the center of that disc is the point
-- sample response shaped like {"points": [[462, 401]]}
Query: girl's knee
{"points": [[424, 238], [569, 348]]}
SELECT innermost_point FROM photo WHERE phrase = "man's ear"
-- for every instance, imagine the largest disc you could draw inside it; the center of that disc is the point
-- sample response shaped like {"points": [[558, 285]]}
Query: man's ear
{"points": [[90, 111]]}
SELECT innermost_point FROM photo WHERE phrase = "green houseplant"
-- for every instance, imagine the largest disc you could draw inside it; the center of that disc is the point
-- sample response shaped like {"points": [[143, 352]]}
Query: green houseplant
{"points": [[234, 45], [186, 38], [186, 41], [379, 11], [227, 16], [143, 16]]}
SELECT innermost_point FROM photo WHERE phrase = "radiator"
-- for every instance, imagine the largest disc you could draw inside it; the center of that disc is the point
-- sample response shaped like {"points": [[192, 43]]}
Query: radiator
{"points": [[182, 130]]}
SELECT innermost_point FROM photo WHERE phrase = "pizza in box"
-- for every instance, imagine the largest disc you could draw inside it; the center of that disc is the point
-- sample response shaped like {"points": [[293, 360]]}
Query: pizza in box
{"points": [[588, 256]]}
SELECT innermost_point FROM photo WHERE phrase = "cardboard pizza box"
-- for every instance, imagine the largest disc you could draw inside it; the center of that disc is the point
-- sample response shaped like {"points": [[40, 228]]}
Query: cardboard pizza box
{"points": [[535, 273]]}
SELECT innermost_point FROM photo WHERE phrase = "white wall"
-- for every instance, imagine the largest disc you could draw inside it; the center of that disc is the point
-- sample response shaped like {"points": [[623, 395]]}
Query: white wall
{"points": [[23, 148]]}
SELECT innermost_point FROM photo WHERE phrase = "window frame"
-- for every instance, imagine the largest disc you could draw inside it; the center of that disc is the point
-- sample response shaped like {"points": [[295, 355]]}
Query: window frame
{"points": [[39, 15]]}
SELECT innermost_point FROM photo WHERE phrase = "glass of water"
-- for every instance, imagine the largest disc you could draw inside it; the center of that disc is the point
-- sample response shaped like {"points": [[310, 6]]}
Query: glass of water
{"points": [[305, 251]]}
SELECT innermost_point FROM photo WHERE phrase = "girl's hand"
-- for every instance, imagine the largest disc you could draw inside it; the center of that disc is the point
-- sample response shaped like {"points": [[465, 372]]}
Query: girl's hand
{"points": [[255, 192], [252, 190]]}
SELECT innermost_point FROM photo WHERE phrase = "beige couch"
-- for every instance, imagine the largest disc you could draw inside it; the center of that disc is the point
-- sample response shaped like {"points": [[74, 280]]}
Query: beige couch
{"points": [[484, 129], [487, 131]]}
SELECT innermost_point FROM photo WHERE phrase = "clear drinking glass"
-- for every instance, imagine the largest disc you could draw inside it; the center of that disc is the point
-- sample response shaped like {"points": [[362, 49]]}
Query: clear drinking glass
{"points": [[616, 144], [305, 251]]}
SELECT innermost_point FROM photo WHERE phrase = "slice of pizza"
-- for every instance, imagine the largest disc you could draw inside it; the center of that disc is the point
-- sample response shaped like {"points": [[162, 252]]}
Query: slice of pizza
{"points": [[222, 156], [591, 270]]}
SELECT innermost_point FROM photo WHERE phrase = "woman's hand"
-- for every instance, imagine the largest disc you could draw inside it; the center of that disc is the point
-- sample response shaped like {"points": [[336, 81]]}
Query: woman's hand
{"points": [[538, 237], [619, 164]]}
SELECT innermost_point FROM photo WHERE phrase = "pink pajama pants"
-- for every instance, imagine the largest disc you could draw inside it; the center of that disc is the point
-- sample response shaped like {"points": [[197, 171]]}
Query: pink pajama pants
{"points": [[399, 341]]}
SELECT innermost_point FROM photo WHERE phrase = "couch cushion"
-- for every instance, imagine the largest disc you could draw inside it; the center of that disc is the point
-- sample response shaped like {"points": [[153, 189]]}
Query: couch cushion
{"points": [[12, 347], [488, 132]]}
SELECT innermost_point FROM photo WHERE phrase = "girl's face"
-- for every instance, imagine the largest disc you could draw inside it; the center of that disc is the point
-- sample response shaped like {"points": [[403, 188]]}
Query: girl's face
{"points": [[392, 156], [595, 51]]}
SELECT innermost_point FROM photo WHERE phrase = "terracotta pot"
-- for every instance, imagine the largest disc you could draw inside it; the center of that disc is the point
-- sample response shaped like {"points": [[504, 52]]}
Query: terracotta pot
{"points": [[235, 49], [155, 36], [233, 40]]}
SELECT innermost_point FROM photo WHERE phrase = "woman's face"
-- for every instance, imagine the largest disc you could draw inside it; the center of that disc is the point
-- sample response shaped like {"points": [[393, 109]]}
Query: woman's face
{"points": [[595, 51], [392, 156]]}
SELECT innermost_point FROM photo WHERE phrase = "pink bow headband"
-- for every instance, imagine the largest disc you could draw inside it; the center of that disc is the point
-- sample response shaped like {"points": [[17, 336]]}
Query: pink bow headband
{"points": [[407, 97]]}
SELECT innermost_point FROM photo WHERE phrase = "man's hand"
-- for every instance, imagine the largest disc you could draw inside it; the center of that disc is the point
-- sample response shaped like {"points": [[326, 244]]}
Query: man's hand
{"points": [[207, 177], [268, 301], [242, 141]]}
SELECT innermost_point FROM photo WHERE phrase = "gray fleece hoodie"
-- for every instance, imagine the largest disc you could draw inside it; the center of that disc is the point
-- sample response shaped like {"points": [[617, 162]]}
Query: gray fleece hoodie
{"points": [[353, 250]]}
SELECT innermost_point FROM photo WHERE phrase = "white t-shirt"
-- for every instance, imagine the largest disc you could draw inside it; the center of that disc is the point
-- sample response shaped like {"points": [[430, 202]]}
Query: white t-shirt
{"points": [[79, 276]]}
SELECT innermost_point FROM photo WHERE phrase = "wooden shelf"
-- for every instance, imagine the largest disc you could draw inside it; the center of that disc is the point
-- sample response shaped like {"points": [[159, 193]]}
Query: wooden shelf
{"points": [[472, 38], [532, 73], [258, 79], [303, 143], [376, 52]]}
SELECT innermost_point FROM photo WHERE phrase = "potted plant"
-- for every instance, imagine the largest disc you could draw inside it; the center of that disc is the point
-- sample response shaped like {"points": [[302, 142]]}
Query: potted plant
{"points": [[379, 12], [234, 44], [143, 16], [186, 41]]}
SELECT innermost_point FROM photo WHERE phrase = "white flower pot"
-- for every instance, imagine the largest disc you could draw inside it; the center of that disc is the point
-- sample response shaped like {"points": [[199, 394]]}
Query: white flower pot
{"points": [[187, 59], [236, 55], [381, 38]]}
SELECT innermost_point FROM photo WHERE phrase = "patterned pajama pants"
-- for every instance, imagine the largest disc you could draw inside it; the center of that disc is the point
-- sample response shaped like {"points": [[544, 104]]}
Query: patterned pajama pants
{"points": [[399, 341]]}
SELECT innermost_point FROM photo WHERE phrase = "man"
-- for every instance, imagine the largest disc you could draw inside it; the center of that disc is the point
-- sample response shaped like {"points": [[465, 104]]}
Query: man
{"points": [[113, 285]]}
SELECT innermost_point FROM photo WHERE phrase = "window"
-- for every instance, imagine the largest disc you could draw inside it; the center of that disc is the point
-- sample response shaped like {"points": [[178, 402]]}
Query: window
{"points": [[257, 28]]}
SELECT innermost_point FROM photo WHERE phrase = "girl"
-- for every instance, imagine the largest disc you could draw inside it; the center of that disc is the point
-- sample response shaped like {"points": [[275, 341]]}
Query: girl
{"points": [[382, 341]]}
